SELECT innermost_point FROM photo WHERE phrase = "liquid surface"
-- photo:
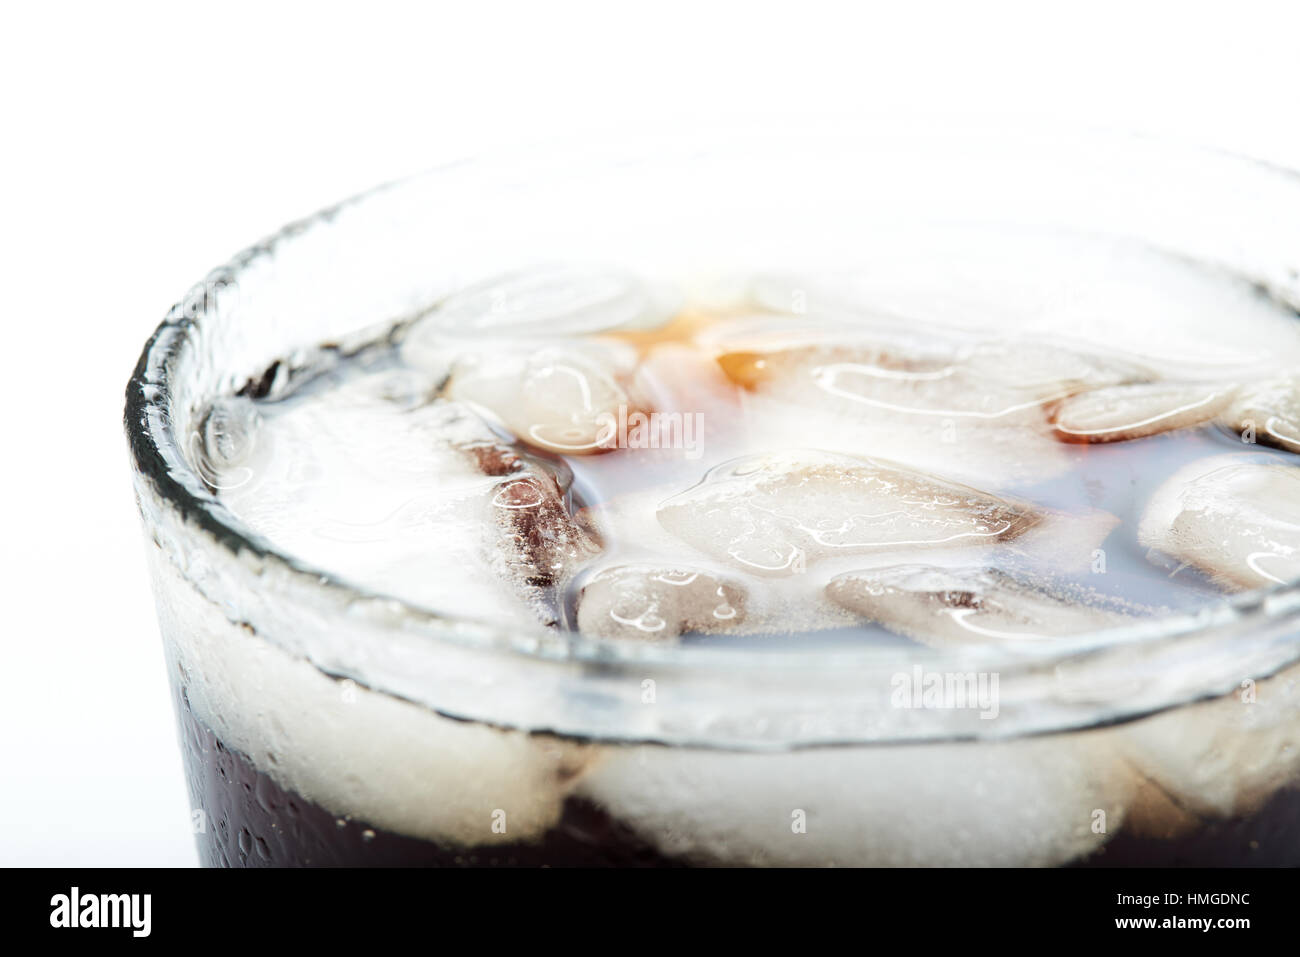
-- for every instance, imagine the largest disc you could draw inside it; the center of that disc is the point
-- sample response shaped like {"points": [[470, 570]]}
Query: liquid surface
{"points": [[985, 448]]}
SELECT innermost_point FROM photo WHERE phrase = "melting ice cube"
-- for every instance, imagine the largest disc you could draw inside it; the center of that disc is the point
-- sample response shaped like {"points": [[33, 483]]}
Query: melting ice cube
{"points": [[1219, 758], [658, 603], [563, 399], [546, 302], [774, 514], [1133, 411], [1268, 413], [538, 542], [936, 401], [982, 383], [1236, 519], [961, 606], [1027, 802]]}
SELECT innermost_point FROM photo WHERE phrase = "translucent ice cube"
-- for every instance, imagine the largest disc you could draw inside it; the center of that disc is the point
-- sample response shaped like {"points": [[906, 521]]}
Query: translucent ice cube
{"points": [[1222, 757], [965, 406], [992, 382], [1133, 411], [1234, 518], [452, 517], [656, 603], [1028, 802], [1103, 294], [963, 605], [540, 543], [563, 399], [777, 513], [1268, 413], [543, 302]]}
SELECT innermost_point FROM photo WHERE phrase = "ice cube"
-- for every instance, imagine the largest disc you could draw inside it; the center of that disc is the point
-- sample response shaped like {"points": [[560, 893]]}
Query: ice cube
{"points": [[1223, 757], [628, 527], [967, 407], [1268, 413], [1107, 295], [361, 752], [541, 302], [1046, 369], [777, 513], [1133, 411], [453, 518], [1234, 518], [537, 544], [561, 398], [950, 607], [995, 382], [1020, 803], [547, 544], [658, 603]]}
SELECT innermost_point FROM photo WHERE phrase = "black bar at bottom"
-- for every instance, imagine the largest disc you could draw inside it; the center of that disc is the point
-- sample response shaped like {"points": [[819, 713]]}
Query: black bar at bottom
{"points": [[333, 907]]}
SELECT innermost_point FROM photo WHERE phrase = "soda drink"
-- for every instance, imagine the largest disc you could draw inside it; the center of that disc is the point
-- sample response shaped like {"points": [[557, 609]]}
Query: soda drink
{"points": [[974, 544]]}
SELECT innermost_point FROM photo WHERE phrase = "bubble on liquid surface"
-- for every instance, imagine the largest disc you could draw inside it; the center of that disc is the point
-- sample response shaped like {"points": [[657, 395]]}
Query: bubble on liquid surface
{"points": [[777, 513], [951, 607], [1268, 413], [1235, 519], [658, 603], [1134, 411]]}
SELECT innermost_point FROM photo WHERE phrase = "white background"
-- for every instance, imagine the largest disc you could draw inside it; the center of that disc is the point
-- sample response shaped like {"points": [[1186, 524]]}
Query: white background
{"points": [[145, 144]]}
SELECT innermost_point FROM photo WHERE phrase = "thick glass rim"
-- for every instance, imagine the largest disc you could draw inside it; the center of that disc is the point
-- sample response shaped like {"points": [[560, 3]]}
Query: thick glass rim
{"points": [[158, 458]]}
